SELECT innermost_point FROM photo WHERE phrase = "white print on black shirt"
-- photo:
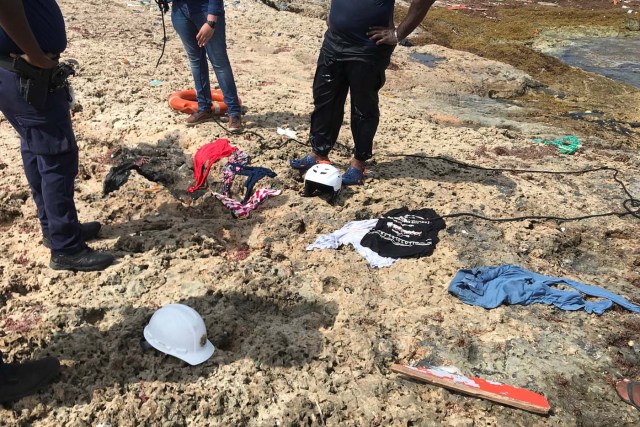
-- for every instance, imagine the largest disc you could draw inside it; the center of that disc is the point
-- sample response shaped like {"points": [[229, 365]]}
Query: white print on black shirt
{"points": [[410, 219], [403, 231], [401, 242]]}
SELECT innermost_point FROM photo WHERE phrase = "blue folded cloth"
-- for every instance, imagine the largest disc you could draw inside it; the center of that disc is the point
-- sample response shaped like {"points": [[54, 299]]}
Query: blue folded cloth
{"points": [[253, 174], [489, 287]]}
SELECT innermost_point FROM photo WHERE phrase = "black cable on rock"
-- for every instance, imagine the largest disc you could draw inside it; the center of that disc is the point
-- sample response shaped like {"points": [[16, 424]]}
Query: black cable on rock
{"points": [[631, 205], [263, 146], [628, 204], [163, 5]]}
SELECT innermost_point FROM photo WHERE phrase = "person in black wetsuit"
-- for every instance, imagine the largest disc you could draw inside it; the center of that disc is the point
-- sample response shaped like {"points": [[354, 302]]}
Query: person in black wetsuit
{"points": [[355, 53]]}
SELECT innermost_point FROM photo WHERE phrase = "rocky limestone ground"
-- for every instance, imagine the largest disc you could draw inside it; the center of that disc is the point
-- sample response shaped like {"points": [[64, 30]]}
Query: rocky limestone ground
{"points": [[307, 338]]}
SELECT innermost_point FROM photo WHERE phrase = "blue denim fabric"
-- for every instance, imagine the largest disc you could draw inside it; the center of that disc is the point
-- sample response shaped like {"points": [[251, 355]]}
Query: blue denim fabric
{"points": [[188, 16], [215, 7], [489, 287]]}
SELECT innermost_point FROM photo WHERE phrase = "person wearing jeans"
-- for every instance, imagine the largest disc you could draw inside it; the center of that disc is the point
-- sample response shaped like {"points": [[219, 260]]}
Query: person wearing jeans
{"points": [[201, 27]]}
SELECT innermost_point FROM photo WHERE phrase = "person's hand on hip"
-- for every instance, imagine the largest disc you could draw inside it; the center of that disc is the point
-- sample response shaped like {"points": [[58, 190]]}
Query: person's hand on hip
{"points": [[383, 35]]}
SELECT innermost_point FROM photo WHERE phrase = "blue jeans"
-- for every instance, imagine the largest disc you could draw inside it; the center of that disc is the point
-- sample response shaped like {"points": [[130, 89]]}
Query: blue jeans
{"points": [[187, 18]]}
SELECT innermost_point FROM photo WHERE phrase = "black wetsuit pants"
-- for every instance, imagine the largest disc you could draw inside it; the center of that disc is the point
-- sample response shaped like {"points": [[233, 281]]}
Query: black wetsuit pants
{"points": [[336, 76]]}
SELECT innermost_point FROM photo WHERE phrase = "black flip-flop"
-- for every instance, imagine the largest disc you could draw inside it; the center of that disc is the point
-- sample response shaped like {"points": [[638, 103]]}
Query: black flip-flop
{"points": [[630, 386]]}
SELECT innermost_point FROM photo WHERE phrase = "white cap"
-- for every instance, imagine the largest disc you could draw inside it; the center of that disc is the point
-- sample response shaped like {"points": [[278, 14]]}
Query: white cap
{"points": [[179, 331]]}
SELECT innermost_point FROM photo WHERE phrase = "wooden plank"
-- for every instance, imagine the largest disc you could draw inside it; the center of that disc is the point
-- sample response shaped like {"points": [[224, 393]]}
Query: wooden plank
{"points": [[478, 387]]}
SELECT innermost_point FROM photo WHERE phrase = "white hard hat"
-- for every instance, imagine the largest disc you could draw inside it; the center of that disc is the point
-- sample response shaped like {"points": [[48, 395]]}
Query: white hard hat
{"points": [[179, 331], [324, 178]]}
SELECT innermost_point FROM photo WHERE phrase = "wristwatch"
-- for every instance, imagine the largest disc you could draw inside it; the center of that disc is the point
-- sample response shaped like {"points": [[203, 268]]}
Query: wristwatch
{"points": [[212, 24]]}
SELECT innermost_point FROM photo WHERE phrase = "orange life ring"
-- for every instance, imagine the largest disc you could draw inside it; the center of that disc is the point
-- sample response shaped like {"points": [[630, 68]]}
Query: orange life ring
{"points": [[186, 101]]}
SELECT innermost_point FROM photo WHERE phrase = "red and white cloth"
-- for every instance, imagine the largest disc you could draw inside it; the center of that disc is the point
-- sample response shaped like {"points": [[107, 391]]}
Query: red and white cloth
{"points": [[241, 211]]}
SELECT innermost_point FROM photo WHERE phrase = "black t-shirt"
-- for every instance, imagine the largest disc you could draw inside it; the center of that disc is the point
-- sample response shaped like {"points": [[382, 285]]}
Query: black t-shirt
{"points": [[402, 233], [351, 19], [46, 22]]}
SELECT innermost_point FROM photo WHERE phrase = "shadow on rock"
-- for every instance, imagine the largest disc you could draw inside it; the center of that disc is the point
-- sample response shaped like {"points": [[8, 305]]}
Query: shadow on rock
{"points": [[164, 163], [202, 227], [436, 169], [271, 120], [274, 331]]}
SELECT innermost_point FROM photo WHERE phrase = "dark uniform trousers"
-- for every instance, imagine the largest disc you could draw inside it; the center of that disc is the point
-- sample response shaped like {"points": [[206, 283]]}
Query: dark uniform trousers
{"points": [[50, 159], [339, 72]]}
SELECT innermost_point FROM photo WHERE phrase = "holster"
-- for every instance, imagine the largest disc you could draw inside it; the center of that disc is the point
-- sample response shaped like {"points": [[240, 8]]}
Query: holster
{"points": [[36, 83]]}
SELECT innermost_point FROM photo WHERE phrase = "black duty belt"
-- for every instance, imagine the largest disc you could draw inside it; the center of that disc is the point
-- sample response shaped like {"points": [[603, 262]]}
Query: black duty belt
{"points": [[36, 83], [7, 62]]}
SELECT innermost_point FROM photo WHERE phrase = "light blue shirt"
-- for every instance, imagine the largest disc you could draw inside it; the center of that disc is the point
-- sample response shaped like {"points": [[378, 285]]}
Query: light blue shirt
{"points": [[489, 287]]}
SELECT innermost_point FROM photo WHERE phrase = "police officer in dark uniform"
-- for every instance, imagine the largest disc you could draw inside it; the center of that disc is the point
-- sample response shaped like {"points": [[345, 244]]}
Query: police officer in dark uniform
{"points": [[35, 99], [355, 53]]}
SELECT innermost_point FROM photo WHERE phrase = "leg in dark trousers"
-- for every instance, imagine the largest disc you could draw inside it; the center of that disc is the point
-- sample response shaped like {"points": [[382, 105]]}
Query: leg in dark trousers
{"points": [[330, 88], [30, 164], [50, 159], [366, 78], [51, 178]]}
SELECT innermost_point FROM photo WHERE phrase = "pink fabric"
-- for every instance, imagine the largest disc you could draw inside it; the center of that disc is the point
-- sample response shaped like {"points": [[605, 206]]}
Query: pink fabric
{"points": [[206, 156], [241, 211]]}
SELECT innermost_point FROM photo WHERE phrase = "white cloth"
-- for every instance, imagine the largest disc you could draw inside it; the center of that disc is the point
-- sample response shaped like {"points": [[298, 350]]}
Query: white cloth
{"points": [[352, 233]]}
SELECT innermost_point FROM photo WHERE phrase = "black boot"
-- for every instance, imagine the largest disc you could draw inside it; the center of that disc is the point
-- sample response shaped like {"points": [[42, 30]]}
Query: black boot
{"points": [[22, 379], [85, 260], [88, 230]]}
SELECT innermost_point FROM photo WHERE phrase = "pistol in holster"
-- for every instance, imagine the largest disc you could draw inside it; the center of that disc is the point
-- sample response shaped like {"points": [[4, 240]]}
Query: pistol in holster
{"points": [[36, 83]]}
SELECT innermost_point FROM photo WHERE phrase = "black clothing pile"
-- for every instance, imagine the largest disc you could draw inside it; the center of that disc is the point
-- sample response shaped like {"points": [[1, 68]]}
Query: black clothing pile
{"points": [[402, 233], [164, 163]]}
